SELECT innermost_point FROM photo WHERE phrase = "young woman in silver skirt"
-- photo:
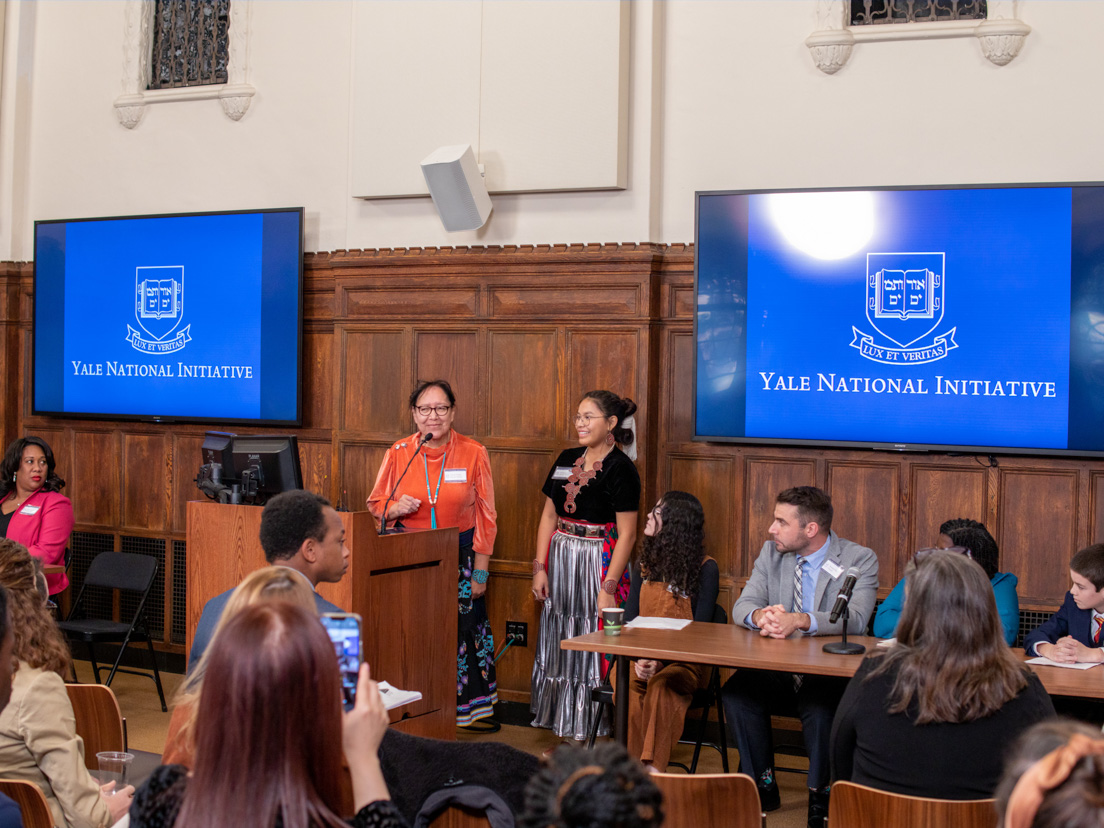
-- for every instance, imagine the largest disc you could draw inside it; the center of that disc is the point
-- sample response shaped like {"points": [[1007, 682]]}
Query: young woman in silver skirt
{"points": [[586, 533]]}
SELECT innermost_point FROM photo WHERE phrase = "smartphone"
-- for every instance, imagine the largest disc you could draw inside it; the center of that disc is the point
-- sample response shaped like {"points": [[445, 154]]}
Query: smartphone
{"points": [[345, 633]]}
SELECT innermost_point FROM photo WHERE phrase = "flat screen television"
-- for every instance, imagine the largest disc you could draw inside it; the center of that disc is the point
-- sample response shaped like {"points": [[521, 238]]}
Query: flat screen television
{"points": [[171, 318], [952, 319]]}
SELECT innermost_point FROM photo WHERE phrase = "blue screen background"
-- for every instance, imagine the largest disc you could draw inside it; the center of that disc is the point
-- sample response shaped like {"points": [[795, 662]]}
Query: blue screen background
{"points": [[1007, 295], [239, 305]]}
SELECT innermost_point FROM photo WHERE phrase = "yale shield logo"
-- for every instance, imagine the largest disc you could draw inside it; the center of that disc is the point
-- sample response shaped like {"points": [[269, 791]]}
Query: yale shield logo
{"points": [[904, 306], [159, 310]]}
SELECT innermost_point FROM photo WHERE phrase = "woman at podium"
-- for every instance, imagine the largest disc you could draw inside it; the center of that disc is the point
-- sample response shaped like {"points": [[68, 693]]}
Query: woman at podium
{"points": [[33, 511], [437, 478], [585, 535]]}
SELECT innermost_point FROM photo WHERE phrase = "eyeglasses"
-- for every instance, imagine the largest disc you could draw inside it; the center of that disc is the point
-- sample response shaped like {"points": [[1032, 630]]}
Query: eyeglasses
{"points": [[426, 410], [923, 553], [584, 419]]}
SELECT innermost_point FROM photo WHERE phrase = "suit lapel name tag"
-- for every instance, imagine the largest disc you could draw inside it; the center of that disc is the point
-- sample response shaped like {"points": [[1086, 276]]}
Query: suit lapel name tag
{"points": [[29, 510], [833, 569]]}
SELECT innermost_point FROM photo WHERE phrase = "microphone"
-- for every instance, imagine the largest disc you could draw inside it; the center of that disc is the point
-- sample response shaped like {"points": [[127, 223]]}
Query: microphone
{"points": [[421, 443], [844, 596]]}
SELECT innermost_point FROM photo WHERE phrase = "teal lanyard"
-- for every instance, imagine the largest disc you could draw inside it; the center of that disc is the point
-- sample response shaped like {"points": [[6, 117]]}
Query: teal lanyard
{"points": [[434, 495]]}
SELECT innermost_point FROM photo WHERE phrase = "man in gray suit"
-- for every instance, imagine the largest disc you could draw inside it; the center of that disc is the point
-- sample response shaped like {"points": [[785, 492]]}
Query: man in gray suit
{"points": [[792, 588]]}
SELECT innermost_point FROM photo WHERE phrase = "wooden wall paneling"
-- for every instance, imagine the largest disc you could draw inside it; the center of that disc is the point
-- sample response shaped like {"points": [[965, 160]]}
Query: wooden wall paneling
{"points": [[375, 379], [607, 361], [94, 488], [677, 361], [713, 481], [315, 459], [525, 381], [319, 377], [1038, 531], [1096, 508], [147, 481], [425, 299], [518, 477], [509, 599], [359, 465], [453, 355], [866, 508], [186, 454], [764, 478], [61, 445], [604, 360], [587, 297], [939, 493]]}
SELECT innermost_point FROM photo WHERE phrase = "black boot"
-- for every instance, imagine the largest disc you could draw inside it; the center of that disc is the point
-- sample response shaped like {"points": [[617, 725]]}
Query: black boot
{"points": [[818, 807], [769, 798]]}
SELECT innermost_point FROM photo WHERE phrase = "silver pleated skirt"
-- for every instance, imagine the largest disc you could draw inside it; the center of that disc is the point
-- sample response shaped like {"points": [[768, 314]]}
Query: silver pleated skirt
{"points": [[563, 679]]}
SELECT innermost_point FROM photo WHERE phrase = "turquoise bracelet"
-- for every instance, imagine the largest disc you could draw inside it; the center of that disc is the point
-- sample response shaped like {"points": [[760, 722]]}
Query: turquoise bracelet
{"points": [[480, 576]]}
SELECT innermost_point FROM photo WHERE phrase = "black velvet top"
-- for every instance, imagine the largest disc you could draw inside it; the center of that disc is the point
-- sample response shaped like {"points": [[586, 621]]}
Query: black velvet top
{"points": [[616, 488], [157, 803], [942, 760]]}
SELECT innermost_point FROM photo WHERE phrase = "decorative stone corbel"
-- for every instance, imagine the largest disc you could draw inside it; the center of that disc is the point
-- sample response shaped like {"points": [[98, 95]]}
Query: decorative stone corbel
{"points": [[235, 95], [1001, 36]]}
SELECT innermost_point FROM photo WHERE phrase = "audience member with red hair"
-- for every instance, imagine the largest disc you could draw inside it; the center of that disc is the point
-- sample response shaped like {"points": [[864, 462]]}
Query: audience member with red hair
{"points": [[269, 735]]}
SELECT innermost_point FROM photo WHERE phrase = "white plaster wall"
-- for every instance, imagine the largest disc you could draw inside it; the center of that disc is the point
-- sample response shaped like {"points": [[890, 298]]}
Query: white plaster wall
{"points": [[748, 109], [722, 95]]}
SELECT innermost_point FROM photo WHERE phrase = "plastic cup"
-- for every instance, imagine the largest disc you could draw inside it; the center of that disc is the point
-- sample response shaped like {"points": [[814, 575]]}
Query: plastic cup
{"points": [[114, 767]]}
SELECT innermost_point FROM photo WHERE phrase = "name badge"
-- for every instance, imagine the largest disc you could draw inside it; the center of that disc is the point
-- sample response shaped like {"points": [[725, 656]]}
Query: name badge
{"points": [[561, 473], [832, 568], [29, 510], [456, 475]]}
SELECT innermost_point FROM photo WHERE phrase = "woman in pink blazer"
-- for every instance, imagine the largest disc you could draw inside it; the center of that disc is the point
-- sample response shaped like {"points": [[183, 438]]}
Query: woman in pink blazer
{"points": [[33, 511]]}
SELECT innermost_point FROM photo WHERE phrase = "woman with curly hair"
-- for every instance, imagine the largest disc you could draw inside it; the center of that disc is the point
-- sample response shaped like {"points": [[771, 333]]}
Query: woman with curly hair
{"points": [[600, 788], [38, 736], [33, 511], [675, 579], [974, 538]]}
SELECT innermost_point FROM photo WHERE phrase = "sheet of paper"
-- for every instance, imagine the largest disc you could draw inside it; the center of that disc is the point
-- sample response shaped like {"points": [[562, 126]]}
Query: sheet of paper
{"points": [[655, 623], [1046, 662], [394, 697]]}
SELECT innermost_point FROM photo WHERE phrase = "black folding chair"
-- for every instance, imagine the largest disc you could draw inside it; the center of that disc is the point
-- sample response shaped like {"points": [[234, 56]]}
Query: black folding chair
{"points": [[125, 572]]}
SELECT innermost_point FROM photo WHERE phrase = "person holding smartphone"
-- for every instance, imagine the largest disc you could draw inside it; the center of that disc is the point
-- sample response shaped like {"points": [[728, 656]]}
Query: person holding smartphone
{"points": [[267, 752]]}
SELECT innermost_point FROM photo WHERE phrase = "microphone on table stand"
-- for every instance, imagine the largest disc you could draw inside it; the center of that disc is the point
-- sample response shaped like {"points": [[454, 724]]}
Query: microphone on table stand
{"points": [[841, 607]]}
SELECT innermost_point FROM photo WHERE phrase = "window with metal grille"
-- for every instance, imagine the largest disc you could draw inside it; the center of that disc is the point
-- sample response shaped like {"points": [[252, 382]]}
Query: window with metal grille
{"points": [[874, 12], [190, 43]]}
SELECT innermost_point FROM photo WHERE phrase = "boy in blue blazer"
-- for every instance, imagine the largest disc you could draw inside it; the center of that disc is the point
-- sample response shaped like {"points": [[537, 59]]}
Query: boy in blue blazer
{"points": [[1074, 634]]}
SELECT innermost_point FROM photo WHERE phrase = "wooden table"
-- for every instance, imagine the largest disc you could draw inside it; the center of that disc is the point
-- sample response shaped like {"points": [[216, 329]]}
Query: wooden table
{"points": [[727, 645], [53, 569]]}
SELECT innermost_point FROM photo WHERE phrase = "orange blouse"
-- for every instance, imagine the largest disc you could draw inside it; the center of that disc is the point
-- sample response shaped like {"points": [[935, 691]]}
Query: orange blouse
{"points": [[466, 495]]}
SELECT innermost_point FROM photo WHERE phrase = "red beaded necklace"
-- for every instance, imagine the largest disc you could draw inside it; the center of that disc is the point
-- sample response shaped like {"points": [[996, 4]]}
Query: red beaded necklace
{"points": [[579, 478]]}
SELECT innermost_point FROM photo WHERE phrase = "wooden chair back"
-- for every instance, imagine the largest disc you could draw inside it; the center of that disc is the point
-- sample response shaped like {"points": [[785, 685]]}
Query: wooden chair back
{"points": [[457, 816], [31, 801], [718, 800], [99, 720], [857, 806]]}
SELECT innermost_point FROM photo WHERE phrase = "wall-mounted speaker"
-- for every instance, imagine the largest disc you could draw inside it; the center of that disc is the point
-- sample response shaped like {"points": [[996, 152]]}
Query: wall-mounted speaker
{"points": [[458, 189]]}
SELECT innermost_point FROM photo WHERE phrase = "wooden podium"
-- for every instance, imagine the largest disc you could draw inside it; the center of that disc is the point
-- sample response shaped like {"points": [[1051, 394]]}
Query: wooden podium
{"points": [[403, 586]]}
